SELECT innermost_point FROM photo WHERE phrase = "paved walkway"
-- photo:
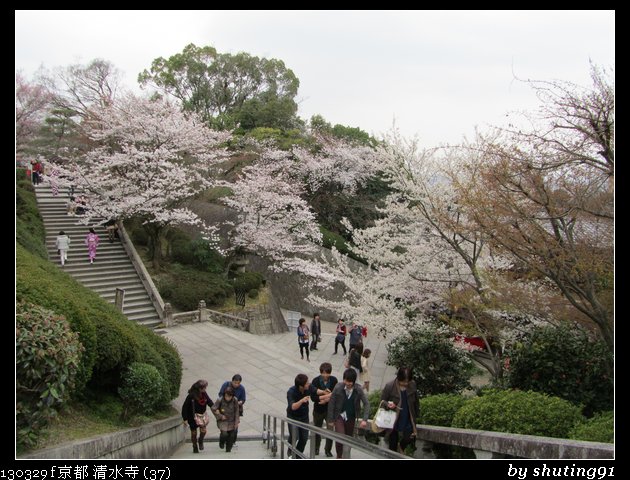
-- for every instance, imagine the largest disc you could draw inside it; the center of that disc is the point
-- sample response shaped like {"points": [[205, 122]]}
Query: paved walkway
{"points": [[267, 363]]}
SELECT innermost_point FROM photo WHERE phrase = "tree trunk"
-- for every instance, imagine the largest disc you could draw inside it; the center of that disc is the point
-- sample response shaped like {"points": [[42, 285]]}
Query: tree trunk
{"points": [[156, 237]]}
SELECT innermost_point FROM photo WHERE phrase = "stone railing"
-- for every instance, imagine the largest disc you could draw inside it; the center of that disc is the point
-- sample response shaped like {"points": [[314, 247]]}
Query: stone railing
{"points": [[497, 444], [203, 314], [144, 275], [154, 440]]}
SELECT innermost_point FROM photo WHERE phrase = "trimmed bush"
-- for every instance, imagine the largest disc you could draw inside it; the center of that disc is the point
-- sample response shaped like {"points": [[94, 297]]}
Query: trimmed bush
{"points": [[143, 389], [564, 362], [253, 293], [514, 411], [247, 281], [600, 428], [438, 367], [47, 358], [188, 286], [440, 409]]}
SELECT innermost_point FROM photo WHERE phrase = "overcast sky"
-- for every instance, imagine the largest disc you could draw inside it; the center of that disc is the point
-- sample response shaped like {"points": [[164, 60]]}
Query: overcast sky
{"points": [[437, 73]]}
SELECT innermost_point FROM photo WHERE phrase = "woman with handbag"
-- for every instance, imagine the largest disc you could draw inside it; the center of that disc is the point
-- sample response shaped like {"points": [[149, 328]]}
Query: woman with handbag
{"points": [[340, 337], [401, 395], [225, 409], [194, 411]]}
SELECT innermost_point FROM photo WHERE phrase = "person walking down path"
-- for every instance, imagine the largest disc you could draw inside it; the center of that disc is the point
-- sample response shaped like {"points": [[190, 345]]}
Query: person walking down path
{"points": [[340, 337], [345, 406], [303, 333], [225, 410], [92, 242], [316, 331], [63, 245], [239, 393], [355, 335], [194, 412], [364, 376]]}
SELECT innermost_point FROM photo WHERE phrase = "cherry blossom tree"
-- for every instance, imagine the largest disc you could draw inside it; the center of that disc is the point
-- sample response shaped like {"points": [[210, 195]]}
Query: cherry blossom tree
{"points": [[31, 103], [275, 219], [147, 159]]}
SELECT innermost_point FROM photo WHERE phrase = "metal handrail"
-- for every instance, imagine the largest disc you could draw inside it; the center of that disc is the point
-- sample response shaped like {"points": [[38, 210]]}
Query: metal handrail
{"points": [[273, 439]]}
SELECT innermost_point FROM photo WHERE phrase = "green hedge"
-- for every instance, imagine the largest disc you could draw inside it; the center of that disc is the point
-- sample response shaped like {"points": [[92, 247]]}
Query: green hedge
{"points": [[514, 411], [111, 341], [247, 281], [565, 362], [29, 226], [600, 428], [440, 409]]}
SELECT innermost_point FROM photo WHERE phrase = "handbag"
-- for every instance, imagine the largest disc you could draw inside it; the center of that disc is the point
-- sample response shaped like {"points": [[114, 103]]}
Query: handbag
{"points": [[385, 418], [202, 419]]}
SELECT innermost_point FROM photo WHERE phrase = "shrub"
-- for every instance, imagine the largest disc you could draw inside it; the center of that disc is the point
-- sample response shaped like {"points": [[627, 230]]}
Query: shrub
{"points": [[438, 367], [187, 287], [247, 281], [143, 389], [205, 257], [253, 293], [47, 357], [564, 362], [440, 409], [514, 411], [374, 397], [600, 428]]}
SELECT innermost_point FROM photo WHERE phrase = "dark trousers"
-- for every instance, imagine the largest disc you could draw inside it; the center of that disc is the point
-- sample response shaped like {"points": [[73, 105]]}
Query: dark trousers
{"points": [[228, 439], [405, 439], [302, 437], [343, 345], [316, 340], [346, 427], [302, 347], [318, 421]]}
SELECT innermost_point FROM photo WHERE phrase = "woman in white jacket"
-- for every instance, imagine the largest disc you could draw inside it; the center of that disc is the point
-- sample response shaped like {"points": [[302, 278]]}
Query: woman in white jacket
{"points": [[63, 244]]}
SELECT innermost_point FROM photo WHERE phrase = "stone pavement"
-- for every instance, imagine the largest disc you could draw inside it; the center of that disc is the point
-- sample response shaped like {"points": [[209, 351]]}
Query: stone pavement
{"points": [[267, 363]]}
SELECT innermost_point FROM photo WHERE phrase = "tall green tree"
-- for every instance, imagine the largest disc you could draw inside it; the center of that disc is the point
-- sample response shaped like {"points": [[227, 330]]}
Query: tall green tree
{"points": [[226, 89]]}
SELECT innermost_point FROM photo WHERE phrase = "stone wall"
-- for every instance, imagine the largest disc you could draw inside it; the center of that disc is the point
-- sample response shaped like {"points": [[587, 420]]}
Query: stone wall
{"points": [[154, 440]]}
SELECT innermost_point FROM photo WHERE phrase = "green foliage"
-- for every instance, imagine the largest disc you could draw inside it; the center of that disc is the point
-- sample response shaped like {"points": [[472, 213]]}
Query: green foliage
{"points": [[440, 409], [47, 357], [197, 253], [143, 389], [438, 367], [253, 293], [374, 397], [600, 428], [564, 362], [185, 287], [29, 226], [228, 88], [247, 281], [343, 132], [283, 139], [111, 341], [515, 411], [331, 239]]}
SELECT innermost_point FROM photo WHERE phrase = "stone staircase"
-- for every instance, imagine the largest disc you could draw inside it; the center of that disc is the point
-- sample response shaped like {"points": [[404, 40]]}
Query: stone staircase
{"points": [[112, 267]]}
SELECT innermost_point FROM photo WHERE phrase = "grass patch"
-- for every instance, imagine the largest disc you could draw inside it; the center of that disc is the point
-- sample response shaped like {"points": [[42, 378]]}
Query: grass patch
{"points": [[230, 303]]}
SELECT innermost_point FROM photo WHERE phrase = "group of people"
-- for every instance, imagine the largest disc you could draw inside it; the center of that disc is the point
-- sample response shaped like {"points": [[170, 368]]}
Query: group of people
{"points": [[227, 409], [62, 243], [341, 404]]}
